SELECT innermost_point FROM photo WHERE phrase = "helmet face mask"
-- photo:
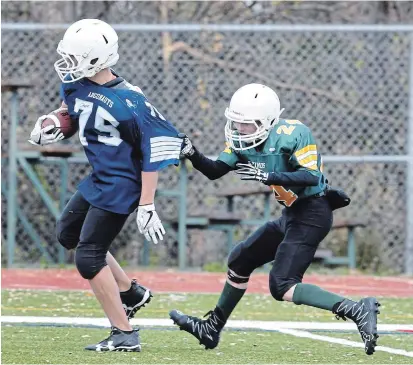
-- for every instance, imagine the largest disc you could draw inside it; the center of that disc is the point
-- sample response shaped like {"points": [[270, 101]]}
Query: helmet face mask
{"points": [[253, 111], [245, 128], [67, 67], [88, 46], [245, 135]]}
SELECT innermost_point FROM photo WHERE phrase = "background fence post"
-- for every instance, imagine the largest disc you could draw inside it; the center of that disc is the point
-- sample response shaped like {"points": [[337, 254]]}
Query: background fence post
{"points": [[12, 179], [64, 170], [182, 259], [409, 182], [12, 167]]}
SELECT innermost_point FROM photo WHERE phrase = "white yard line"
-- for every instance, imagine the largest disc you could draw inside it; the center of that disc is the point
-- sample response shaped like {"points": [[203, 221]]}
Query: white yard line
{"points": [[263, 325], [342, 341], [290, 328]]}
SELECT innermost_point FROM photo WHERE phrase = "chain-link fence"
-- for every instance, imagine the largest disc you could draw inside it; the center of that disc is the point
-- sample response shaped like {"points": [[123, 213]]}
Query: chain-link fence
{"points": [[350, 87]]}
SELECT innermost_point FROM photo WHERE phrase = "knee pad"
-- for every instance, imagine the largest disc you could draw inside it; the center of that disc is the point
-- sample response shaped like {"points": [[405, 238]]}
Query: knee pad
{"points": [[238, 261], [90, 258], [234, 255], [65, 238], [279, 286]]}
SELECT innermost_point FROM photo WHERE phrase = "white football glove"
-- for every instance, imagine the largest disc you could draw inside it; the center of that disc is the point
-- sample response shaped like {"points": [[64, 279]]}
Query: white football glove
{"points": [[149, 223], [41, 136]]}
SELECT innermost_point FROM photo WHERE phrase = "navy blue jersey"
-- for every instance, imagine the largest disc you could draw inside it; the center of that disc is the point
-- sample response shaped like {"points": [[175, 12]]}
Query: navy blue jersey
{"points": [[122, 134]]}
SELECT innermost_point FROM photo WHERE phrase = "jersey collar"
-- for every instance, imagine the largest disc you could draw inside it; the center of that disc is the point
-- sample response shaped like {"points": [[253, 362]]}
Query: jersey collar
{"points": [[114, 82], [111, 83]]}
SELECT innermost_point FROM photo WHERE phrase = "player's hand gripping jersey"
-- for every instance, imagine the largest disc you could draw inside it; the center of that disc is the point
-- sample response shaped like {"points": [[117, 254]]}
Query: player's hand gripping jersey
{"points": [[123, 134], [290, 147]]}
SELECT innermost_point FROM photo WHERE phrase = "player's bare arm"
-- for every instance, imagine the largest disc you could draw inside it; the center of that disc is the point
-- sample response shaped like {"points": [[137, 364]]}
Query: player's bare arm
{"points": [[149, 185], [147, 219]]}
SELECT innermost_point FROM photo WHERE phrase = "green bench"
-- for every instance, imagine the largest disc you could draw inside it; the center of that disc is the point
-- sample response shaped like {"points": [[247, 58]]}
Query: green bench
{"points": [[227, 221], [62, 155], [350, 259]]}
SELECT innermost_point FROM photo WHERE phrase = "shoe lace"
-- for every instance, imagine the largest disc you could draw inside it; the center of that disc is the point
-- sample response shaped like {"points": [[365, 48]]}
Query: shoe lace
{"points": [[204, 327], [112, 332], [212, 323], [209, 313], [134, 283], [341, 316], [343, 310], [357, 312]]}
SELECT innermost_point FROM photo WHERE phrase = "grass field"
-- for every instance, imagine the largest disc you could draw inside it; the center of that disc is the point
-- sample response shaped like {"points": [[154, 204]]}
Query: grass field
{"points": [[64, 345]]}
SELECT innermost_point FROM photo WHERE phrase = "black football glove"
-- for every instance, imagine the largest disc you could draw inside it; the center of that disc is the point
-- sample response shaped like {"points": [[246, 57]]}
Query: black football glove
{"points": [[187, 149]]}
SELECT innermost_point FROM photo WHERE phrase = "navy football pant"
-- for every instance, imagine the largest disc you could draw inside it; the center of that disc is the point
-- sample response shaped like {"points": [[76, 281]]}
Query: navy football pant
{"points": [[290, 241], [91, 231]]}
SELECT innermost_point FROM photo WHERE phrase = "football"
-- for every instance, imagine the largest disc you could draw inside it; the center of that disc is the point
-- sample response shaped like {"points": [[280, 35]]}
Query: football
{"points": [[60, 118]]}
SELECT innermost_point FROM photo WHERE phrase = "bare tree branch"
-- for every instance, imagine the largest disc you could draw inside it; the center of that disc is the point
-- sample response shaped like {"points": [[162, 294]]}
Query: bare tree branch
{"points": [[196, 53], [398, 11], [202, 9], [106, 9]]}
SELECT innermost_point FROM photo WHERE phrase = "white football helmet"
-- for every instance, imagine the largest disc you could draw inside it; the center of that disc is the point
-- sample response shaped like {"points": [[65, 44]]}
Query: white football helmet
{"points": [[253, 111], [88, 46]]}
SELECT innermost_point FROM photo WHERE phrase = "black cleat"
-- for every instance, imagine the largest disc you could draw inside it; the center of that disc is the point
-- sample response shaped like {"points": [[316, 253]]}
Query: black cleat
{"points": [[135, 298], [364, 314], [206, 331], [118, 341]]}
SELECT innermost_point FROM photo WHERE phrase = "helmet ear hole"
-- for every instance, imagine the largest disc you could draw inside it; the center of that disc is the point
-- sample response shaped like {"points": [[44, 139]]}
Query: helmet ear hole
{"points": [[92, 62]]}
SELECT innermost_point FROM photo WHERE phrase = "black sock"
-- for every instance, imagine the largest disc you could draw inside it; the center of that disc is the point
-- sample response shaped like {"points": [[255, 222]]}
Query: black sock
{"points": [[220, 314]]}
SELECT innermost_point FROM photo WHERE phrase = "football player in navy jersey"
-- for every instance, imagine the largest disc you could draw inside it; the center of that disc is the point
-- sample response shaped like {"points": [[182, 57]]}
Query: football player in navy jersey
{"points": [[127, 141]]}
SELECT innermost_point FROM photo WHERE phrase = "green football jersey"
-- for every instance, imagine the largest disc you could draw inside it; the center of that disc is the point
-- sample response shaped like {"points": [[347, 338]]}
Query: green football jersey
{"points": [[289, 147]]}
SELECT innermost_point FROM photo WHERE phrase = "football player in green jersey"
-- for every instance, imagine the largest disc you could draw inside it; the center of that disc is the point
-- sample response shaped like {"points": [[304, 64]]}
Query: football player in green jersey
{"points": [[282, 154]]}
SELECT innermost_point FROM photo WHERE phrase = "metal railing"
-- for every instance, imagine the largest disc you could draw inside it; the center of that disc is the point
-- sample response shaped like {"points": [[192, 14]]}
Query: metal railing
{"points": [[353, 85]]}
